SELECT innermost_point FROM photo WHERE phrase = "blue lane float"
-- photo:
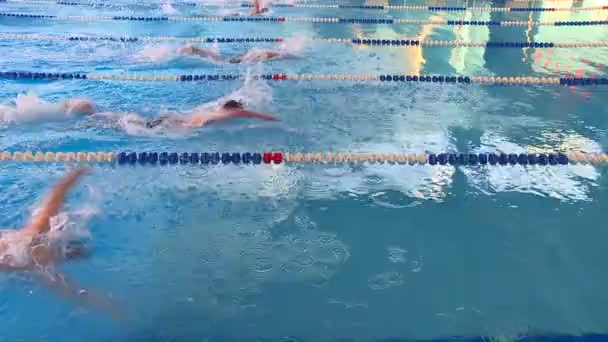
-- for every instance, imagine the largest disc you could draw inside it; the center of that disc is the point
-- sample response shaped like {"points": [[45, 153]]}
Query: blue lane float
{"points": [[194, 158], [27, 75], [494, 159], [454, 159], [413, 42]]}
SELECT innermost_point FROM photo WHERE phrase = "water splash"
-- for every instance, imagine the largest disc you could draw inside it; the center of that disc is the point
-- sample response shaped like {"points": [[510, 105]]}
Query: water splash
{"points": [[289, 48], [253, 93], [135, 124], [157, 54], [15, 251], [167, 8], [295, 44], [29, 107]]}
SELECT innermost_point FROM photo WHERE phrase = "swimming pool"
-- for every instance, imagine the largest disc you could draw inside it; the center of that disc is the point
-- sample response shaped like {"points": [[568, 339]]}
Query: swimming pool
{"points": [[323, 251]]}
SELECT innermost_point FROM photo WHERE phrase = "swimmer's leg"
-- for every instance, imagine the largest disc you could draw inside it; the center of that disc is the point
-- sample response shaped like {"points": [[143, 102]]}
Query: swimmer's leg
{"points": [[59, 283]]}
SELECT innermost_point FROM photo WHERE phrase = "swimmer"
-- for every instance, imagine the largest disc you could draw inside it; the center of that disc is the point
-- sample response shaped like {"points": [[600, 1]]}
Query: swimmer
{"points": [[251, 56], [201, 52], [29, 249], [258, 55], [202, 116], [34, 252], [258, 8]]}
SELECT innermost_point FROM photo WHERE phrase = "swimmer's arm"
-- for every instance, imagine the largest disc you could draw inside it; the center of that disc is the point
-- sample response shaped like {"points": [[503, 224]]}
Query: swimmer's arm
{"points": [[200, 120], [206, 53], [275, 53], [39, 223], [249, 114], [201, 52]]}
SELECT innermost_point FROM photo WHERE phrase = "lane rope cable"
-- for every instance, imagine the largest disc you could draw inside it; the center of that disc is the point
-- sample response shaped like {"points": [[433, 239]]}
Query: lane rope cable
{"points": [[332, 20], [392, 78], [403, 42], [256, 158], [334, 6]]}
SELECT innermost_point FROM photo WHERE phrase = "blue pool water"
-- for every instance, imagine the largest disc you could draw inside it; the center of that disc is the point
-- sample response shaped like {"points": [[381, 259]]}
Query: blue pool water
{"points": [[318, 252]]}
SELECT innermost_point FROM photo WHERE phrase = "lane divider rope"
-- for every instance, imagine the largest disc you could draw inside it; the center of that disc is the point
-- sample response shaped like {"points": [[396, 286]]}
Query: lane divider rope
{"points": [[439, 8], [215, 158], [437, 79], [338, 6], [194, 4], [396, 21], [531, 1], [352, 41]]}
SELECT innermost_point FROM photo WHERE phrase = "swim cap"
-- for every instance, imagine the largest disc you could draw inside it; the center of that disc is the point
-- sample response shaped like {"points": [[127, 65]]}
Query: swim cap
{"points": [[79, 106], [233, 104], [156, 122]]}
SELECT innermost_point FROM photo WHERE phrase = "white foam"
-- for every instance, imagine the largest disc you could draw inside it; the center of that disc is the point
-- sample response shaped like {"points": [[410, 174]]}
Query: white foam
{"points": [[289, 47], [167, 8], [157, 53], [17, 252], [253, 93], [29, 107], [571, 182], [295, 44]]}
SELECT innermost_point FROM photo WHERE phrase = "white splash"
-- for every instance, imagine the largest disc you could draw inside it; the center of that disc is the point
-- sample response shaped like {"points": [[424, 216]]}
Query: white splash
{"points": [[295, 44], [167, 8], [253, 93], [29, 107], [17, 253], [157, 54], [565, 183]]}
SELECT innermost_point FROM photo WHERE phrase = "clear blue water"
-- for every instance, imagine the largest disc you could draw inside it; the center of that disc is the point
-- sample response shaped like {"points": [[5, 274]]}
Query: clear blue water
{"points": [[318, 252]]}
